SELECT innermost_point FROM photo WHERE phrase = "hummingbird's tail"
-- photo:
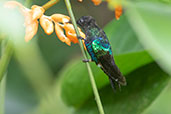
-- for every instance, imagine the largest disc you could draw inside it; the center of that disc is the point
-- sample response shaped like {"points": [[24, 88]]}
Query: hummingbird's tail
{"points": [[116, 78], [113, 84], [117, 82]]}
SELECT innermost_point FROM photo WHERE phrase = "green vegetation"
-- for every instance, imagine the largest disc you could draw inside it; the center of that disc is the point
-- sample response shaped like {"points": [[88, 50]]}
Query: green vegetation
{"points": [[45, 76]]}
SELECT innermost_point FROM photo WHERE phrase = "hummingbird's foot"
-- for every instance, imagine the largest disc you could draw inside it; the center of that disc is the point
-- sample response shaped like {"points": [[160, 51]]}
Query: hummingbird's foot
{"points": [[81, 38], [86, 60], [113, 84]]}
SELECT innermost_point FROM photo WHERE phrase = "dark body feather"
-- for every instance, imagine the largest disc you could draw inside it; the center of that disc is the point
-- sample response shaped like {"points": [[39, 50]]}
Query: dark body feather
{"points": [[100, 50]]}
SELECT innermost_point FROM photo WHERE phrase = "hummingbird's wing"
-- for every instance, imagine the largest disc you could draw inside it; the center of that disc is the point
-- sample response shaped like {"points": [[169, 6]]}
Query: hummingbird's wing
{"points": [[103, 52]]}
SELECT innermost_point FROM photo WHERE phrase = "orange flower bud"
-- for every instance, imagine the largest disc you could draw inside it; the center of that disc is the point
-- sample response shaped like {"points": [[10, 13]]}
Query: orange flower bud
{"points": [[59, 32], [68, 41], [12, 4], [80, 0], [96, 2], [84, 45], [37, 12], [69, 27], [82, 34], [27, 16], [70, 32], [61, 35], [30, 16], [118, 12], [60, 18], [47, 24], [31, 30], [72, 37]]}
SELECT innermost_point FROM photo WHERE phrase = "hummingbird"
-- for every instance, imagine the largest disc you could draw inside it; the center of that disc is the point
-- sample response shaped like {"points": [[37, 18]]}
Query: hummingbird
{"points": [[100, 51]]}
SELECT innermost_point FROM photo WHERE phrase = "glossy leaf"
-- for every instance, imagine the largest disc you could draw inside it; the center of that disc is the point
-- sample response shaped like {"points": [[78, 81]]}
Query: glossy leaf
{"points": [[161, 104], [122, 37], [144, 85]]}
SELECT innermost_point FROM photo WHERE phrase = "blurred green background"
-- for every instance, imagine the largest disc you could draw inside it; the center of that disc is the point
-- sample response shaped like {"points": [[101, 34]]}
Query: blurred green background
{"points": [[45, 76]]}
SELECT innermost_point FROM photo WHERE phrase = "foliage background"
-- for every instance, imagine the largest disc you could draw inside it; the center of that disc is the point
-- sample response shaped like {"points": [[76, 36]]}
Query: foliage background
{"points": [[46, 76]]}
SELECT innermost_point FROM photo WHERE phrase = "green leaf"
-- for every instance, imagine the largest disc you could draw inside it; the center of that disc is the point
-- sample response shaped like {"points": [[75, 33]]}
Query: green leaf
{"points": [[144, 85], [37, 72], [151, 22], [122, 37], [161, 104]]}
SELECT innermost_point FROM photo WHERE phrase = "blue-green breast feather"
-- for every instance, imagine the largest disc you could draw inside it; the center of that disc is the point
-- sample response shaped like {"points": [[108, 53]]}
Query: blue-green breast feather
{"points": [[97, 48], [91, 52], [101, 47]]}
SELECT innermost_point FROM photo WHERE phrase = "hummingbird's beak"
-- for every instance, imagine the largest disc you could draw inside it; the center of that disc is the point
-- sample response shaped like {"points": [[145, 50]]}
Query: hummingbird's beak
{"points": [[78, 22], [69, 22]]}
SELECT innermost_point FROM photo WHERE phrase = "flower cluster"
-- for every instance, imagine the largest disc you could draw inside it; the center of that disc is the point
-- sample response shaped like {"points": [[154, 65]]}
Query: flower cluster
{"points": [[115, 4], [57, 22], [96, 2]]}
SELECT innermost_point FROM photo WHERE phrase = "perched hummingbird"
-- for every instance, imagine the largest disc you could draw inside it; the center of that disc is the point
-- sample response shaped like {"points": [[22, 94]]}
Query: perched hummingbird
{"points": [[98, 47]]}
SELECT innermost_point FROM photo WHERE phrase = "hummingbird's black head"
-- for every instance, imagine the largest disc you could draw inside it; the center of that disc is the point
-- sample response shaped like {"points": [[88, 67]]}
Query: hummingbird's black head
{"points": [[86, 21]]}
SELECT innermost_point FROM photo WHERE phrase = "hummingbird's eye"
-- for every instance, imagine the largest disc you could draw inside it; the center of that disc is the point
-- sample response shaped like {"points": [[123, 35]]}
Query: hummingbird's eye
{"points": [[81, 20]]}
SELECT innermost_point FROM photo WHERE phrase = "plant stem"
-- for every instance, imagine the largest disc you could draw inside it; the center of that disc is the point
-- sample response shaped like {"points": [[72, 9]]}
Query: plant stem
{"points": [[50, 4], [2, 83], [2, 94], [6, 56], [93, 83]]}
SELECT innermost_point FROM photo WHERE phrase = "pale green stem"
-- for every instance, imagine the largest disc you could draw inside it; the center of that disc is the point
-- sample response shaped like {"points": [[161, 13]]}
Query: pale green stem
{"points": [[4, 52], [4, 61], [93, 83], [2, 94], [50, 4]]}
